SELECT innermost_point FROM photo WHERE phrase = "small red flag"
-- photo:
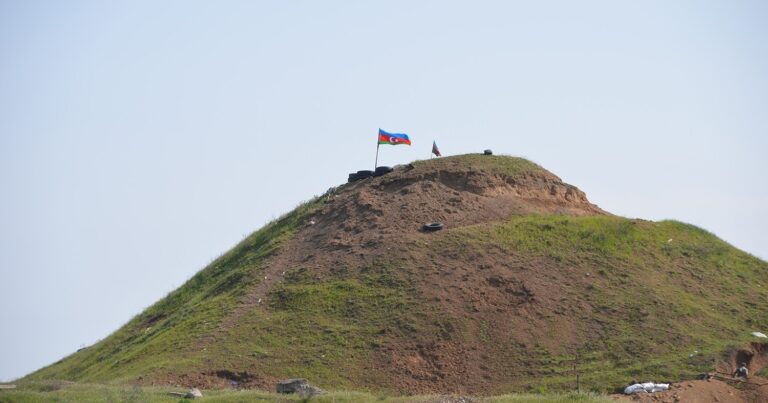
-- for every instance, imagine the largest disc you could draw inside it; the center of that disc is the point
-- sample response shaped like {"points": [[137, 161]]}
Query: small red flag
{"points": [[435, 150]]}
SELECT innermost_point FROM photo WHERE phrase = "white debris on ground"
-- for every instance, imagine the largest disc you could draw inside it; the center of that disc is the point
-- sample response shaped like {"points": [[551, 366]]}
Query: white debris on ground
{"points": [[760, 335], [193, 393], [648, 387]]}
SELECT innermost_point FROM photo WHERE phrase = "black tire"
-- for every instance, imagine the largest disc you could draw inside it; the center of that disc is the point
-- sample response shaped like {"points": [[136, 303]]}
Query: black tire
{"points": [[353, 177], [433, 226], [382, 171], [364, 174], [488, 152]]}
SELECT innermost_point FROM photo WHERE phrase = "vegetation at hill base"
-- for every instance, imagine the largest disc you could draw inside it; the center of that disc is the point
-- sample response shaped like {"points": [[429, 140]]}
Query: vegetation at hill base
{"points": [[97, 393]]}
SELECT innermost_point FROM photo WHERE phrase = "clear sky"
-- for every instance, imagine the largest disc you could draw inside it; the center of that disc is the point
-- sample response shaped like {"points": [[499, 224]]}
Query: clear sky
{"points": [[141, 139]]}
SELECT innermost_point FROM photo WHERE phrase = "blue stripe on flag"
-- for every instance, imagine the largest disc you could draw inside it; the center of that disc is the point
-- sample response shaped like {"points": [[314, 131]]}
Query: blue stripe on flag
{"points": [[398, 135]]}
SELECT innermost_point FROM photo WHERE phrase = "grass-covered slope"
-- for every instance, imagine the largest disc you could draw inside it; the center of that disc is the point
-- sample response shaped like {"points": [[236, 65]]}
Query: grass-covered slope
{"points": [[166, 337], [527, 282], [622, 299]]}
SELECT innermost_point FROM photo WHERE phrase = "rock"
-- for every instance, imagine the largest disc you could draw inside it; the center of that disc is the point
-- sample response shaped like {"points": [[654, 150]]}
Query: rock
{"points": [[193, 393], [298, 386], [760, 335]]}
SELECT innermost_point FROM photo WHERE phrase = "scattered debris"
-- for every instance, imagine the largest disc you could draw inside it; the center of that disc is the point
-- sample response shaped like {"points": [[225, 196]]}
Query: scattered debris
{"points": [[648, 387], [760, 335], [669, 240], [299, 386]]}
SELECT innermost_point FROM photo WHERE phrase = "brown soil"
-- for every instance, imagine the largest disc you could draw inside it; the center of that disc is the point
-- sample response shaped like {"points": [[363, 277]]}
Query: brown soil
{"points": [[364, 218], [755, 390]]}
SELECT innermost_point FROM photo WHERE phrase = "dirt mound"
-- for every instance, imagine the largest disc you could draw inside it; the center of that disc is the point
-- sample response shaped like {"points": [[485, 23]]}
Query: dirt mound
{"points": [[721, 387], [361, 222], [708, 391], [528, 285]]}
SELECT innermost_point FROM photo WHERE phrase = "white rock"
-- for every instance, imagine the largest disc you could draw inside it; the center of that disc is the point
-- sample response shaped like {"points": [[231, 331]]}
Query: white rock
{"points": [[760, 335], [193, 393]]}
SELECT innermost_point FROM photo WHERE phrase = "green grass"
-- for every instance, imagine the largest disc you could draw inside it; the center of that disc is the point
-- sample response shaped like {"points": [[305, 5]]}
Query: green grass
{"points": [[661, 290], [163, 338], [496, 164], [86, 393]]}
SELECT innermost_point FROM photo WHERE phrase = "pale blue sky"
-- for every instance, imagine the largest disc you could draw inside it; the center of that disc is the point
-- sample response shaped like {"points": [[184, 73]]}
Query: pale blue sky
{"points": [[141, 139]]}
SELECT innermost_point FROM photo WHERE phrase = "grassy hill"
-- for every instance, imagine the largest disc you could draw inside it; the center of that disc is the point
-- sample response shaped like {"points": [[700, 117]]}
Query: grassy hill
{"points": [[528, 285]]}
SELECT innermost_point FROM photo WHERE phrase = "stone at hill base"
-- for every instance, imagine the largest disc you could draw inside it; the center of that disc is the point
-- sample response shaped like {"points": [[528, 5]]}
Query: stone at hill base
{"points": [[298, 386], [193, 393]]}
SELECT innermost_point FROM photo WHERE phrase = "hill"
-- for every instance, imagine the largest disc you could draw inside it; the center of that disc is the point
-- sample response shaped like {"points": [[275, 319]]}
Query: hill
{"points": [[527, 280]]}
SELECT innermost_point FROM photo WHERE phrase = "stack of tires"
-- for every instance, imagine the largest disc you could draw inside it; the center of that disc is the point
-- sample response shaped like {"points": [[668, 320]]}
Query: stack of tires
{"points": [[363, 174], [382, 171], [356, 176]]}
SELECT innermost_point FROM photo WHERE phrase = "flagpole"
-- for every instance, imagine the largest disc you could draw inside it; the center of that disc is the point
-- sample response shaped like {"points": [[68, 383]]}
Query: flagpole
{"points": [[376, 163]]}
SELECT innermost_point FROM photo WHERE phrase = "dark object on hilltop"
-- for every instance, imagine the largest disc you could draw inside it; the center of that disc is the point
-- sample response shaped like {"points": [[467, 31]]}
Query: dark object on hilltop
{"points": [[299, 386], [356, 176], [434, 226], [488, 152], [382, 171], [363, 174]]}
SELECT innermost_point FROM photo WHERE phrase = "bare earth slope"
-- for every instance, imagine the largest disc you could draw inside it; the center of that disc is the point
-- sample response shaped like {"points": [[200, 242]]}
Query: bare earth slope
{"points": [[527, 279]]}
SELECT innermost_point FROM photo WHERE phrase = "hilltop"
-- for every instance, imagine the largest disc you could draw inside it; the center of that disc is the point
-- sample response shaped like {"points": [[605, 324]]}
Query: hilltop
{"points": [[527, 279]]}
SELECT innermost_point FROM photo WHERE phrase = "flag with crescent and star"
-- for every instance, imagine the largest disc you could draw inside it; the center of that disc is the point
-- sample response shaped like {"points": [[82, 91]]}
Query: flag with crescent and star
{"points": [[393, 138]]}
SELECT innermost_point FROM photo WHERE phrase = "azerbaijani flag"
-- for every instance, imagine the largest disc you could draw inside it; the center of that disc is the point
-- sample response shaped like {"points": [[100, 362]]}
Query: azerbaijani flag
{"points": [[393, 138]]}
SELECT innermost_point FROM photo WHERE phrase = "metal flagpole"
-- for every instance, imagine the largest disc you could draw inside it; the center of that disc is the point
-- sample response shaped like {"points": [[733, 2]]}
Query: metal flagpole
{"points": [[375, 164]]}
